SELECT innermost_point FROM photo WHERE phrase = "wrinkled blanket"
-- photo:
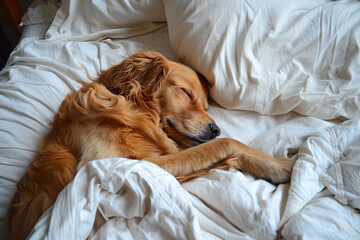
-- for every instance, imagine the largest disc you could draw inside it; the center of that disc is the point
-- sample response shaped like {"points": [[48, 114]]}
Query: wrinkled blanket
{"points": [[141, 201]]}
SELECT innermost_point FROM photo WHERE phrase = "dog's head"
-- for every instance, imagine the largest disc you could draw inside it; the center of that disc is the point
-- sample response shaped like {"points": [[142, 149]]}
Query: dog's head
{"points": [[175, 92]]}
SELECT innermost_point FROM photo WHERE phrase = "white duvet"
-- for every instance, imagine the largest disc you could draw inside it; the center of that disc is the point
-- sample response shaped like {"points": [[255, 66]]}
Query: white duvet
{"points": [[282, 58], [141, 201]]}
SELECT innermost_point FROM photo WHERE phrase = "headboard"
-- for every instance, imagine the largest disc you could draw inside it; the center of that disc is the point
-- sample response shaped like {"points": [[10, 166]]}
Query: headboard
{"points": [[13, 13]]}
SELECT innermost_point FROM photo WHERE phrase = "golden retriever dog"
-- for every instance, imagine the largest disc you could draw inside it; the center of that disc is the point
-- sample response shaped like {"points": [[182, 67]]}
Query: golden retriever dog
{"points": [[146, 108]]}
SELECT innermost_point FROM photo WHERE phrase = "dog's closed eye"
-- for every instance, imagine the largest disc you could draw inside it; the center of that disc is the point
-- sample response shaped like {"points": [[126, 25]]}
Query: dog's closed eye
{"points": [[188, 93]]}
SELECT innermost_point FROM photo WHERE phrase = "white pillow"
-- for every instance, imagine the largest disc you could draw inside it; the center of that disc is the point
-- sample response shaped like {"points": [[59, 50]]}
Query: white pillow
{"points": [[84, 20], [273, 56]]}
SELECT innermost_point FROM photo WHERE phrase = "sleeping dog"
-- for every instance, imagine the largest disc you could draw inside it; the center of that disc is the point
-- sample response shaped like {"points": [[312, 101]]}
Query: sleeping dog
{"points": [[146, 108]]}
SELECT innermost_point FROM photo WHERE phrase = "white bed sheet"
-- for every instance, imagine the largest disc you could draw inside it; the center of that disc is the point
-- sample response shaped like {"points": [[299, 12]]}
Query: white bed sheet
{"points": [[222, 205]]}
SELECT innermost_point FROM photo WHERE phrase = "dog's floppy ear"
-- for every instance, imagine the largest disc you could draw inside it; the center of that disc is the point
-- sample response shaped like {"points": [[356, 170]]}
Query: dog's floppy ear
{"points": [[139, 75]]}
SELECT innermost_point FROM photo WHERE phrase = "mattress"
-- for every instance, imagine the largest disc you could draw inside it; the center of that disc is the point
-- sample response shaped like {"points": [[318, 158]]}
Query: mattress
{"points": [[284, 79]]}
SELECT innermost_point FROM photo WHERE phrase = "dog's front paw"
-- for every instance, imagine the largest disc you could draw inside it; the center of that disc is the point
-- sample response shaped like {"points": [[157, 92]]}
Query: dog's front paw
{"points": [[279, 171], [274, 170]]}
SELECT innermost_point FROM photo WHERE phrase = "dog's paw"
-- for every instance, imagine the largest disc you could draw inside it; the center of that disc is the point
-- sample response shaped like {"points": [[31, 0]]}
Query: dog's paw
{"points": [[274, 170], [278, 171]]}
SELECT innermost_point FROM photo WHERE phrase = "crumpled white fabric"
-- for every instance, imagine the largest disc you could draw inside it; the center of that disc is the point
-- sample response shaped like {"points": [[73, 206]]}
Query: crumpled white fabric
{"points": [[329, 158], [140, 200], [273, 56], [83, 21], [343, 177]]}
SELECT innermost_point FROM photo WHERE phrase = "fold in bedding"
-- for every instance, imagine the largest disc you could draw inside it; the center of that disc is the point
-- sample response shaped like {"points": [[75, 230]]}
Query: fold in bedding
{"points": [[328, 159], [139, 200]]}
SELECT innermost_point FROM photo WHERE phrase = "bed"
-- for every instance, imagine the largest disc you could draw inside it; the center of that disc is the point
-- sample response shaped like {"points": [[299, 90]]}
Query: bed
{"points": [[284, 77]]}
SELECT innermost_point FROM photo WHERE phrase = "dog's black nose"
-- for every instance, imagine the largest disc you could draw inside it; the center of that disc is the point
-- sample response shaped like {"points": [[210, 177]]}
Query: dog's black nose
{"points": [[214, 129]]}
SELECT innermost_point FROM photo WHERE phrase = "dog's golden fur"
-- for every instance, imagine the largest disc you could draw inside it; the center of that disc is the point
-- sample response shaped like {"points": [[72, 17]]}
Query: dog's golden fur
{"points": [[145, 108]]}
